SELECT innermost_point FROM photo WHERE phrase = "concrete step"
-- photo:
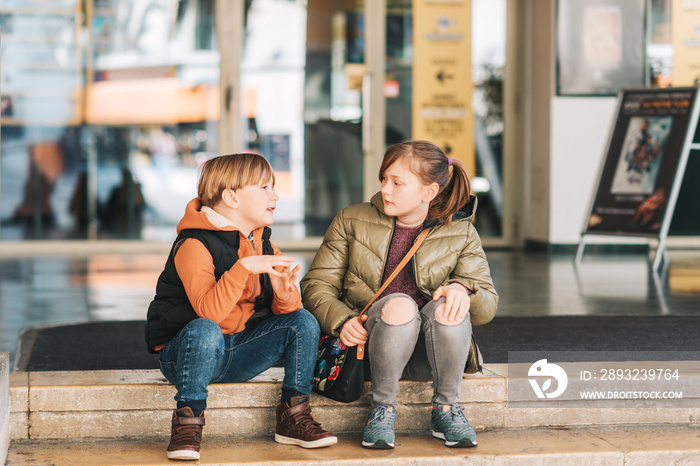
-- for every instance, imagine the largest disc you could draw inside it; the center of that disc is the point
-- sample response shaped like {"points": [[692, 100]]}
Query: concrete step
{"points": [[620, 445], [111, 404]]}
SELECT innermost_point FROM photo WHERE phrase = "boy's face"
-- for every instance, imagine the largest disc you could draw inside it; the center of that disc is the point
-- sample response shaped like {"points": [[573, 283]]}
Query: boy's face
{"points": [[256, 204]]}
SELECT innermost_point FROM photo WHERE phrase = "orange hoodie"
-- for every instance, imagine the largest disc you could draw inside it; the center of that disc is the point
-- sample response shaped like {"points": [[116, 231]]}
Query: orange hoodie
{"points": [[230, 301]]}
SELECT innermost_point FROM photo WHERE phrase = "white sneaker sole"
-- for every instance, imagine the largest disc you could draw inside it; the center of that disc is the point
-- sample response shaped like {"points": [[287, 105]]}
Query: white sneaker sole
{"points": [[378, 445], [324, 442], [187, 455], [462, 443]]}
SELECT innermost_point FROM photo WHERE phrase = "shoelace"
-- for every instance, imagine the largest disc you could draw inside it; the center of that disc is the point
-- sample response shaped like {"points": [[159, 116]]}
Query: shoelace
{"points": [[382, 416], [459, 419]]}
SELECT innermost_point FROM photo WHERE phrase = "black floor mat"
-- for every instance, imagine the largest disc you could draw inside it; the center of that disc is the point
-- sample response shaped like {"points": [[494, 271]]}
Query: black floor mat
{"points": [[120, 345], [589, 333], [85, 347]]}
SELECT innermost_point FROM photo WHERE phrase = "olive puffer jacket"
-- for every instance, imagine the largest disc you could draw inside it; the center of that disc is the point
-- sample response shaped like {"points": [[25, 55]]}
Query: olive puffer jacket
{"points": [[348, 268]]}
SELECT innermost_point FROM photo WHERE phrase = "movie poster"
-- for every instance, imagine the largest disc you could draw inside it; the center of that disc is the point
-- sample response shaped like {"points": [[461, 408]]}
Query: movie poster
{"points": [[643, 157]]}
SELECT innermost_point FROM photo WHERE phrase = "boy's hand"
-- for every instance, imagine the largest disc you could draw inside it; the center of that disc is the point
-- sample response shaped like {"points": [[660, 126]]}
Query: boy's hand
{"points": [[457, 301], [283, 285], [353, 332], [266, 263]]}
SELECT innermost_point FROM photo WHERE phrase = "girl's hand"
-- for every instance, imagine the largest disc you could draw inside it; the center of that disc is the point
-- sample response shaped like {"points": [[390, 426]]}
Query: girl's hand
{"points": [[353, 332], [283, 286], [457, 301], [266, 263]]}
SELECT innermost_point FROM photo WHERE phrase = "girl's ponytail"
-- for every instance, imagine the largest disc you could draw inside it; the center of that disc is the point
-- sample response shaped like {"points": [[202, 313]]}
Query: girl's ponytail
{"points": [[454, 195]]}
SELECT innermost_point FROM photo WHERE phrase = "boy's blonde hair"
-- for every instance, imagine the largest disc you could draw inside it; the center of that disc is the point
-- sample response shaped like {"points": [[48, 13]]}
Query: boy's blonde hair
{"points": [[232, 171]]}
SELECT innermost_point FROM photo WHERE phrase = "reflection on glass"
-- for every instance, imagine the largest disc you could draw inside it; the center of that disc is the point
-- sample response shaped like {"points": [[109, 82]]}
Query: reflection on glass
{"points": [[154, 107], [42, 87], [660, 43], [301, 77], [488, 62], [102, 137], [333, 110]]}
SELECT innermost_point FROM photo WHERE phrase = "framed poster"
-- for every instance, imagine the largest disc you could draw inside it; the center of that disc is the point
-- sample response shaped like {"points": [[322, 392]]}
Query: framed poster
{"points": [[601, 46], [646, 157]]}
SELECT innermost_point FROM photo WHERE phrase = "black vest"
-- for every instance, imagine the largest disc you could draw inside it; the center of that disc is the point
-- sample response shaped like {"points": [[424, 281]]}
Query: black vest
{"points": [[171, 310]]}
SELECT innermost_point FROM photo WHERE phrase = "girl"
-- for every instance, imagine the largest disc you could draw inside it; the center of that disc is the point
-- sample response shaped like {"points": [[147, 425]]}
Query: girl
{"points": [[420, 327]]}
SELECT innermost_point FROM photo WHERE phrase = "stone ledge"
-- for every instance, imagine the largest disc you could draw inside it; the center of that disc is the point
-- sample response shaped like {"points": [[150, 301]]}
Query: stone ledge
{"points": [[19, 405], [148, 389], [5, 413], [140, 403], [233, 422]]}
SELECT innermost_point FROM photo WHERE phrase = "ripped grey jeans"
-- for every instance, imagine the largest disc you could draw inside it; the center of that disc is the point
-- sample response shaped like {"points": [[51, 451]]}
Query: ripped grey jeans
{"points": [[422, 349]]}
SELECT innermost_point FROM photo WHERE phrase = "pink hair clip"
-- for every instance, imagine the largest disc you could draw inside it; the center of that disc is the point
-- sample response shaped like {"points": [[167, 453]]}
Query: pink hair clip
{"points": [[449, 162]]}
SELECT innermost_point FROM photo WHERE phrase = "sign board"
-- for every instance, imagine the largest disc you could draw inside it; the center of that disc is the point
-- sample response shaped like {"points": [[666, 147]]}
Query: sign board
{"points": [[685, 28], [646, 157], [442, 84]]}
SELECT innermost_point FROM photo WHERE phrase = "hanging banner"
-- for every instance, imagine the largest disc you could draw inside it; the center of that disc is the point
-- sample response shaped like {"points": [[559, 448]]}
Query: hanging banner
{"points": [[646, 159], [685, 27], [442, 83]]}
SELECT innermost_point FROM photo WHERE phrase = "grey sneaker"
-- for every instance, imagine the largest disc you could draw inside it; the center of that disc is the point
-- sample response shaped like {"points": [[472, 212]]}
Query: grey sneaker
{"points": [[379, 431], [452, 426]]}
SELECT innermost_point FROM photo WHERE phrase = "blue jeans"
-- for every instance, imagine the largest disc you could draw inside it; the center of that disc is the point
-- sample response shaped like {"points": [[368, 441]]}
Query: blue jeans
{"points": [[200, 354]]}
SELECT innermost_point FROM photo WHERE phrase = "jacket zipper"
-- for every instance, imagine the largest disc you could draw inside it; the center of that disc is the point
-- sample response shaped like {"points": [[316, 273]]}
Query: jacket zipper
{"points": [[255, 287], [386, 256]]}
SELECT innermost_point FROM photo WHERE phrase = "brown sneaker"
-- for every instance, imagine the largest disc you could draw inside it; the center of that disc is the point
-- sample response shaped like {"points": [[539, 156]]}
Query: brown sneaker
{"points": [[295, 426], [185, 435]]}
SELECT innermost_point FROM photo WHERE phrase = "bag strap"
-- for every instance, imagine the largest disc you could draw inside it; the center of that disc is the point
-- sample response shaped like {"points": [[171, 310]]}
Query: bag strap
{"points": [[404, 261], [398, 268]]}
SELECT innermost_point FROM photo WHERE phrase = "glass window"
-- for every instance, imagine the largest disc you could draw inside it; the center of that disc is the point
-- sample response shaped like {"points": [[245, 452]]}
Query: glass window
{"points": [[105, 119], [301, 79], [488, 67], [153, 110], [488, 39], [42, 94], [660, 45]]}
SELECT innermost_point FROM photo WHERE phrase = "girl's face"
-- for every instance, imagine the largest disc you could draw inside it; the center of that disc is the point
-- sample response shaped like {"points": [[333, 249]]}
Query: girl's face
{"points": [[405, 196]]}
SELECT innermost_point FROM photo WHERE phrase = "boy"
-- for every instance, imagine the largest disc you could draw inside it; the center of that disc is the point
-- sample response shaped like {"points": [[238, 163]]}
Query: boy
{"points": [[226, 306]]}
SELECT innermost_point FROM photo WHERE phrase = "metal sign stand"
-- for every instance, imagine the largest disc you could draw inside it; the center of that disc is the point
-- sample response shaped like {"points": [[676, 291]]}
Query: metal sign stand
{"points": [[688, 145]]}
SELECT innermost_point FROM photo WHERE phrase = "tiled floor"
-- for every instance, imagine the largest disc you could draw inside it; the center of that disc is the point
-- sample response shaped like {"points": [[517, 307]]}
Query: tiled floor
{"points": [[47, 290]]}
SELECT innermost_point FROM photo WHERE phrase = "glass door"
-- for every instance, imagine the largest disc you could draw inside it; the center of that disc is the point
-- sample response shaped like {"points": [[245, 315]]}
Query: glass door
{"points": [[151, 113], [301, 78], [443, 82], [42, 94], [108, 108]]}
